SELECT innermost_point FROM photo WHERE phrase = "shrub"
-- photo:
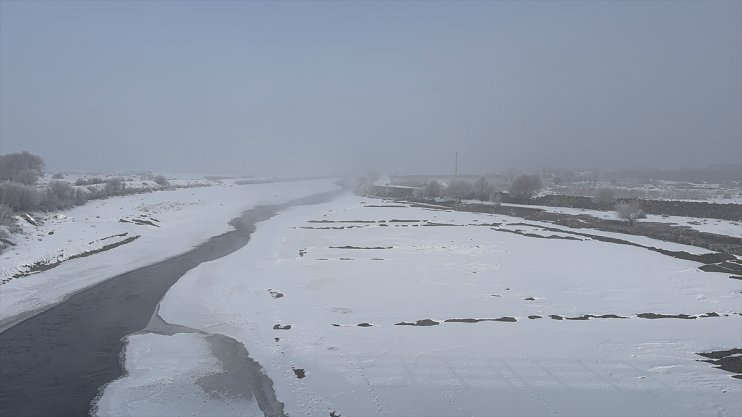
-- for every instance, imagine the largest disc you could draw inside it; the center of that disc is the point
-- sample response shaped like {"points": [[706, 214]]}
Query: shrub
{"points": [[58, 176], [526, 186], [115, 186], [11, 165], [19, 197], [630, 211], [6, 215], [80, 197], [58, 196], [89, 181], [161, 180]]}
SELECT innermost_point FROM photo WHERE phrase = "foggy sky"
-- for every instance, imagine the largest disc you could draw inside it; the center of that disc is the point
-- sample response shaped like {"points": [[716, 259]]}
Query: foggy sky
{"points": [[299, 87]]}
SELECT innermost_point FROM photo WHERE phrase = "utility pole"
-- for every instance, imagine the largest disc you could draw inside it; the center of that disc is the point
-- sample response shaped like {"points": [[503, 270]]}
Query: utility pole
{"points": [[456, 166]]}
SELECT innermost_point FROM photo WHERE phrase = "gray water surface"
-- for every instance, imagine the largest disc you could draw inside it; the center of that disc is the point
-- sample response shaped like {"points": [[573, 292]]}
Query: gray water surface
{"points": [[53, 364]]}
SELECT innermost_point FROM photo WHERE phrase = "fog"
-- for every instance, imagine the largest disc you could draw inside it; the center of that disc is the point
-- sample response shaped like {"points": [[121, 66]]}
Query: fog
{"points": [[328, 87]]}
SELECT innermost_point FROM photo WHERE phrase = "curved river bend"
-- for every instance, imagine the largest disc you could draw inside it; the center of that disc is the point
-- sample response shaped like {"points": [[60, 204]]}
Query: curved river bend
{"points": [[55, 362]]}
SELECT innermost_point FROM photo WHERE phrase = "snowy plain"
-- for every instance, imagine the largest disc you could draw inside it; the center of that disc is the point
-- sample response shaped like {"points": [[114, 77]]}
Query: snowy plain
{"points": [[167, 222], [367, 286], [716, 226]]}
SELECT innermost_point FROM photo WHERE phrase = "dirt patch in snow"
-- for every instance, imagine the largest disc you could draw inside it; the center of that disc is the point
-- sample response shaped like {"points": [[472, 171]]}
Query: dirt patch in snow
{"points": [[728, 360], [424, 322]]}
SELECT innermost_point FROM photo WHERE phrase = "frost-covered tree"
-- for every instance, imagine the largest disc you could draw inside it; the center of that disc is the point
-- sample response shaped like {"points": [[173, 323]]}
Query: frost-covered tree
{"points": [[459, 189], [630, 211], [13, 164], [433, 189], [526, 186]]}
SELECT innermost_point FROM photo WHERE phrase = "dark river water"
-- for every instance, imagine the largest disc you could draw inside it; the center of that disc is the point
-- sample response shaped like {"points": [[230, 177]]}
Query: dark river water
{"points": [[53, 363]]}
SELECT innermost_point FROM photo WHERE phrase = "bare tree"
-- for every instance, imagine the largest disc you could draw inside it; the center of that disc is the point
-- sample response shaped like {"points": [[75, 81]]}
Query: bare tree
{"points": [[630, 211], [526, 186]]}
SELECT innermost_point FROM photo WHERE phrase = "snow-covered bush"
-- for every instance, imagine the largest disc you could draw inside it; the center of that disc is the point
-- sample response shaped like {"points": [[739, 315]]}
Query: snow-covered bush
{"points": [[115, 186], [59, 196], [19, 197], [58, 176], [630, 211], [161, 180], [89, 181], [6, 215]]}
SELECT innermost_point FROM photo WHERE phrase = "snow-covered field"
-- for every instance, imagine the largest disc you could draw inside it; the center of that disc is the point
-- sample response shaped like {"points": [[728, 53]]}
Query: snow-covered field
{"points": [[716, 226], [167, 223], [358, 307]]}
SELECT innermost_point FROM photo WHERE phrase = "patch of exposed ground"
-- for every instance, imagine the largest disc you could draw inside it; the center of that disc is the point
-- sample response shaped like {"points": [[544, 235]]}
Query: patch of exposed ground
{"points": [[274, 293], [522, 233], [424, 322], [728, 360]]}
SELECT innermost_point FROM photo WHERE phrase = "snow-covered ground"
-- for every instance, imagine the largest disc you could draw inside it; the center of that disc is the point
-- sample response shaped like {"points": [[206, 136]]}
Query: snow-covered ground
{"points": [[717, 226], [351, 280], [167, 223]]}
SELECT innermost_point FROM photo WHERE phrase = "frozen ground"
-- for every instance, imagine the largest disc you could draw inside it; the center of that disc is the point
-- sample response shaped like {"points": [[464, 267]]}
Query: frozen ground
{"points": [[358, 307], [165, 223]]}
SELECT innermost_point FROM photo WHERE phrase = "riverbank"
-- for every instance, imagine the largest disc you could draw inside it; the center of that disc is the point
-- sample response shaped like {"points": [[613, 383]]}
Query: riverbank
{"points": [[167, 223]]}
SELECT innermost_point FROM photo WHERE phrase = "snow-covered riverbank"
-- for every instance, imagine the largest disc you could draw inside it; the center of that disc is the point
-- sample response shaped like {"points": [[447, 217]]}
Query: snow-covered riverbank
{"points": [[164, 223]]}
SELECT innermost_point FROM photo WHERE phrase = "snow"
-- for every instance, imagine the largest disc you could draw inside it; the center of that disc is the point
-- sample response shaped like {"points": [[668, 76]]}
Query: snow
{"points": [[166, 373], [630, 366], [184, 218]]}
